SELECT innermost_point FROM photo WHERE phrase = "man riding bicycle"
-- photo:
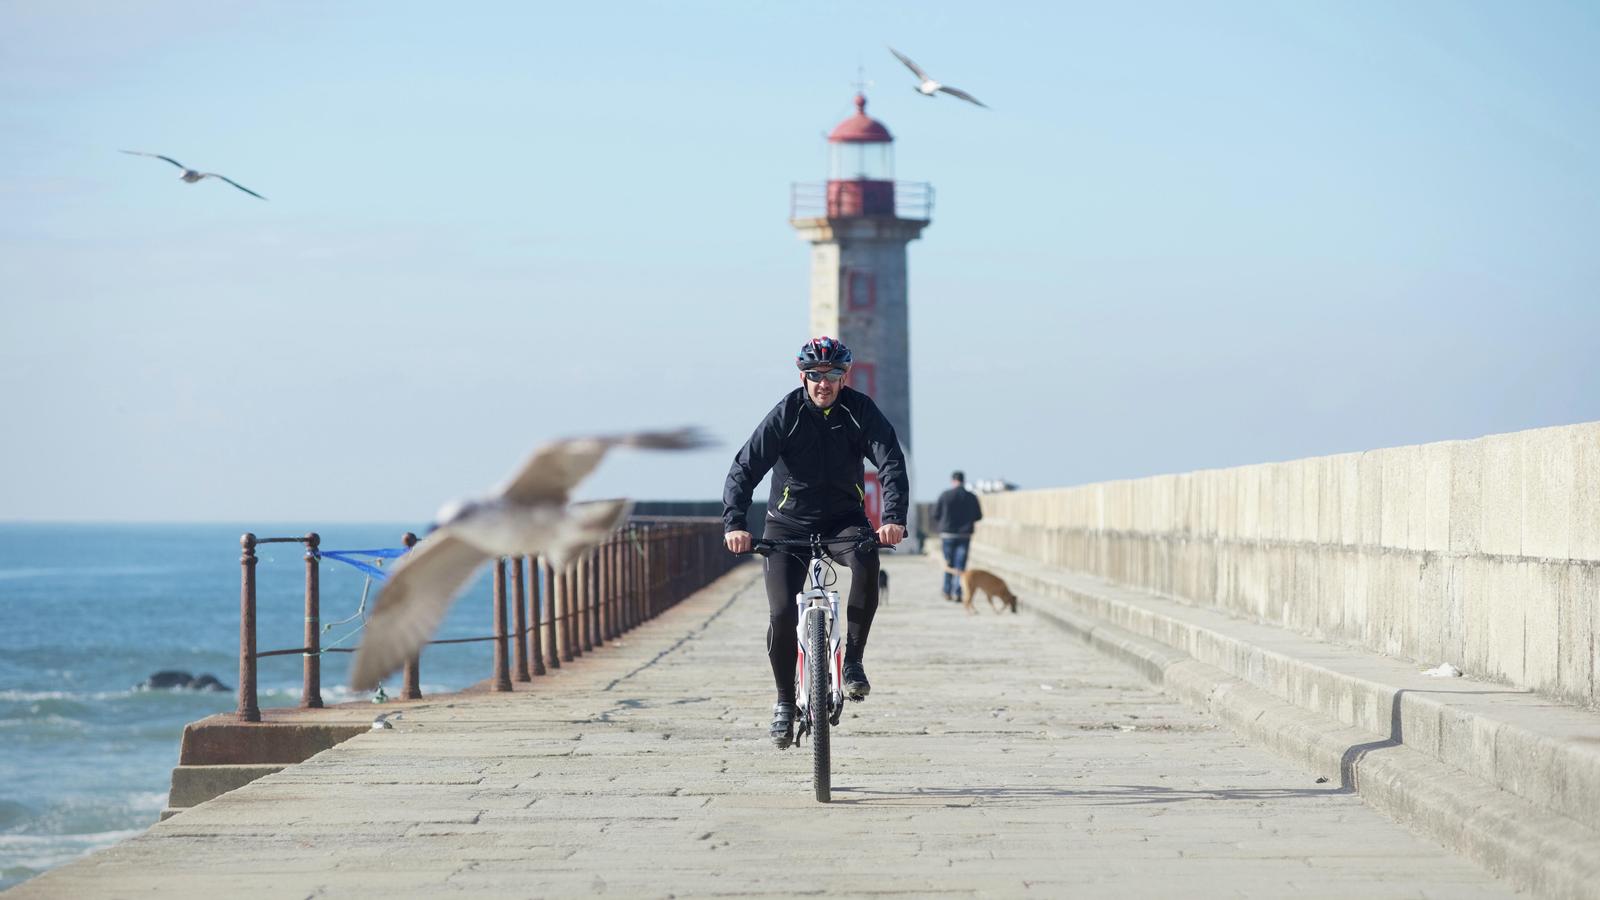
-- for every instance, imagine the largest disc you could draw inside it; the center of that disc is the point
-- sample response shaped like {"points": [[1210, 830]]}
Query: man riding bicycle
{"points": [[814, 442]]}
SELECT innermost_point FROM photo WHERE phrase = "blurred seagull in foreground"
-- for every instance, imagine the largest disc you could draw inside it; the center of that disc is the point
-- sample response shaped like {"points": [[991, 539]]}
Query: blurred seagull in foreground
{"points": [[928, 87], [526, 516], [191, 176]]}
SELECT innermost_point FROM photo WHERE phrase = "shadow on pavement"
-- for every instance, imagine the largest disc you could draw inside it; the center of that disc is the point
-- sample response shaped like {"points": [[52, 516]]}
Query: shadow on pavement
{"points": [[1105, 795]]}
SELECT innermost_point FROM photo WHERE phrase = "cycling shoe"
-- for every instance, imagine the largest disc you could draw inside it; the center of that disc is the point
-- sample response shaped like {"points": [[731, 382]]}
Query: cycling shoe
{"points": [[856, 686], [783, 725]]}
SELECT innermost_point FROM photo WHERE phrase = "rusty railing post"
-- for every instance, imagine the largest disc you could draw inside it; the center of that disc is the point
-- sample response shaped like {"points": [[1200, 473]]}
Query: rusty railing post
{"points": [[604, 560], [552, 643], [564, 580], [411, 675], [519, 620], [628, 578], [248, 710], [598, 576], [585, 594], [612, 597], [652, 571], [592, 570], [538, 598], [502, 664], [311, 668]]}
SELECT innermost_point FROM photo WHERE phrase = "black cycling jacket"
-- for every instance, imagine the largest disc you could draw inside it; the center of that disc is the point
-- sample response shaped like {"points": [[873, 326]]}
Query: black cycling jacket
{"points": [[815, 457]]}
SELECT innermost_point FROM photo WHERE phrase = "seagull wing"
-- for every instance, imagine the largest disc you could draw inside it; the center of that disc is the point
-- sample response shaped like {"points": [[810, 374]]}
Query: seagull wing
{"points": [[157, 156], [557, 467], [915, 69], [411, 605], [235, 183], [957, 92]]}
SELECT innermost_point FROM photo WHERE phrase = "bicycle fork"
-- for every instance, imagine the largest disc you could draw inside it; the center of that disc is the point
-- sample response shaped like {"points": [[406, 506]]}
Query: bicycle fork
{"points": [[817, 602]]}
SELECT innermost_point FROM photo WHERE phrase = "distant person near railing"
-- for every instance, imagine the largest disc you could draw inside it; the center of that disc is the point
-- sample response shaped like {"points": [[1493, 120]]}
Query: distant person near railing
{"points": [[956, 511]]}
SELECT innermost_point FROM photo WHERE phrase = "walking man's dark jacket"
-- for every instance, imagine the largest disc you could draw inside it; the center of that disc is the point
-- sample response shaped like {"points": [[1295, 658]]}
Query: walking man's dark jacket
{"points": [[956, 511], [815, 456]]}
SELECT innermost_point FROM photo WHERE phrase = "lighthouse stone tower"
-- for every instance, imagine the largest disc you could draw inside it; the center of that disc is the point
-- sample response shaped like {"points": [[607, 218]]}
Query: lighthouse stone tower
{"points": [[858, 224]]}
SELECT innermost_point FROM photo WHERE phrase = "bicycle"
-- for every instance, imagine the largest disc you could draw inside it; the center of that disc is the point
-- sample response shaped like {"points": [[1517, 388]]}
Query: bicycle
{"points": [[819, 686]]}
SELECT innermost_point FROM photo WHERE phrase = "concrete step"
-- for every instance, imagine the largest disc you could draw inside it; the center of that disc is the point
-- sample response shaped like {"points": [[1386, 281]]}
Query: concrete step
{"points": [[194, 785], [1504, 775]]}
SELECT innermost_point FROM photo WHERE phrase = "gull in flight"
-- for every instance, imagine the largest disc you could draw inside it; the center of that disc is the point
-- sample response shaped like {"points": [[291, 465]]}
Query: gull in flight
{"points": [[928, 87], [526, 516], [191, 176]]}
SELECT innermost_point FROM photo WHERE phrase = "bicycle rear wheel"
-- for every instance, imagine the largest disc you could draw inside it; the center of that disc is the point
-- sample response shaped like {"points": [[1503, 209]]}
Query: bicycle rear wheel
{"points": [[819, 684]]}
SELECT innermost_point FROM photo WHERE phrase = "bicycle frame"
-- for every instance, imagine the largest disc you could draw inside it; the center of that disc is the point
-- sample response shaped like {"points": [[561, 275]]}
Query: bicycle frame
{"points": [[818, 601]]}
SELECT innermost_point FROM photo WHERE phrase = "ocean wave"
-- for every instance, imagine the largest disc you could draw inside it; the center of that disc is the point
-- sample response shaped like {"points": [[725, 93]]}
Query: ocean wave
{"points": [[20, 572], [46, 851]]}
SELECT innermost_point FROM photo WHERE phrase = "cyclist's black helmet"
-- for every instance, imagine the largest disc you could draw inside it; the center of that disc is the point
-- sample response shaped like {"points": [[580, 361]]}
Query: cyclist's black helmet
{"points": [[822, 353]]}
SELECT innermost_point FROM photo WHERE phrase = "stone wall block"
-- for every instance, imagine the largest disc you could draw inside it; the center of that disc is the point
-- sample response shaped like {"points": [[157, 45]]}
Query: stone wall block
{"points": [[1357, 623], [1548, 457], [1302, 602], [1310, 498], [1369, 482], [1394, 602], [1584, 588], [1543, 585], [1276, 509], [1502, 495], [1585, 515], [1507, 620], [1466, 496], [1279, 561], [1477, 631], [1249, 488], [1426, 642], [1416, 499], [1183, 507], [1455, 623], [1351, 525], [1328, 501], [1436, 496], [1394, 522], [1331, 573]]}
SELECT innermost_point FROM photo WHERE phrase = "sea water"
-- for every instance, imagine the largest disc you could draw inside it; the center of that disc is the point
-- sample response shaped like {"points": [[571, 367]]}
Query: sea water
{"points": [[88, 612]]}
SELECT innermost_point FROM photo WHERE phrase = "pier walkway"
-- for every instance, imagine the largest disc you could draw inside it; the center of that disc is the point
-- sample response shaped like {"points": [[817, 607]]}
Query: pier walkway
{"points": [[995, 758]]}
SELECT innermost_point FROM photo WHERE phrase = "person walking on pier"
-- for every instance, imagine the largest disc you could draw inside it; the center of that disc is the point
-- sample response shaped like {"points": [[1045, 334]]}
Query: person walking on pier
{"points": [[814, 442], [954, 514]]}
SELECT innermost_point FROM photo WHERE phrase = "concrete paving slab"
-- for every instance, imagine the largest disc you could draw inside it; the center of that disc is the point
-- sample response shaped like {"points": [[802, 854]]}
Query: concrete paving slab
{"points": [[995, 758]]}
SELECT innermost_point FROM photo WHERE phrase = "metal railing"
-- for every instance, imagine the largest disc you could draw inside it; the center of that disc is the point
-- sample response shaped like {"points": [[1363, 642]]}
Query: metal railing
{"points": [[642, 569], [857, 199]]}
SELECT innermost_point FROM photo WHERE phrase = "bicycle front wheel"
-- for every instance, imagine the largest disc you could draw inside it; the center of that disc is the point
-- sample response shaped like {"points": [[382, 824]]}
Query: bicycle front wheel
{"points": [[820, 682]]}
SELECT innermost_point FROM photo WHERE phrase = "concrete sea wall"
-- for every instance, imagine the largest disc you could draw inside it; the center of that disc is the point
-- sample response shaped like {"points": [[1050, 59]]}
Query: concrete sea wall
{"points": [[1483, 553]]}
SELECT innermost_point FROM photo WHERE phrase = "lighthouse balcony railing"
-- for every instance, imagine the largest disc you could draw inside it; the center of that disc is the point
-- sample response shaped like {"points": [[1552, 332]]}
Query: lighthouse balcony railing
{"points": [[854, 199]]}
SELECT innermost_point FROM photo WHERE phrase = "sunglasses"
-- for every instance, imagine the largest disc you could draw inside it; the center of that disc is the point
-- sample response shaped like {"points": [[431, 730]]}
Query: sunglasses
{"points": [[829, 374]]}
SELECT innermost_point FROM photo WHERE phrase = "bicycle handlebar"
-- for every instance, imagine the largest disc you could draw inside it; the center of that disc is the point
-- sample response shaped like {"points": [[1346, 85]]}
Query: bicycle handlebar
{"points": [[765, 547]]}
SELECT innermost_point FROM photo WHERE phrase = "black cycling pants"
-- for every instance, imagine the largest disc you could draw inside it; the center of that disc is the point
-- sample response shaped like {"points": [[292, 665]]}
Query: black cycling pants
{"points": [[787, 575]]}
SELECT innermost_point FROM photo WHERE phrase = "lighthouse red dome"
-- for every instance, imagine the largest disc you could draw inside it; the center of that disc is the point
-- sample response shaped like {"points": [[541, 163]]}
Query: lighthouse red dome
{"points": [[860, 128]]}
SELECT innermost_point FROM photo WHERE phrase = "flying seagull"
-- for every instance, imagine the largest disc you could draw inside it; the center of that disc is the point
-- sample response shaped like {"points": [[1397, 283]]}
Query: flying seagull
{"points": [[525, 516], [928, 87], [191, 176]]}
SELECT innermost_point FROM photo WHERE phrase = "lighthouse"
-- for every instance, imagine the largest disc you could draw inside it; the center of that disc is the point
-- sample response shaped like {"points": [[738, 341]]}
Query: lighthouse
{"points": [[858, 224]]}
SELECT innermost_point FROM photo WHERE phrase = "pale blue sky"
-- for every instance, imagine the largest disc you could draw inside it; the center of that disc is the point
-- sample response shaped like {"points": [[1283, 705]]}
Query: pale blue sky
{"points": [[1187, 235]]}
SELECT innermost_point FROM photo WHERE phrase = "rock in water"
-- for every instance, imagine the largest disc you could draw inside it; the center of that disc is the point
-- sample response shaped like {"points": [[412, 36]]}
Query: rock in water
{"points": [[167, 679], [177, 679], [209, 682]]}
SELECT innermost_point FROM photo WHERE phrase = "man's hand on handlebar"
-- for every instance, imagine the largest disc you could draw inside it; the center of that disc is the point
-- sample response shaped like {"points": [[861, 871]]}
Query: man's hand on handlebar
{"points": [[890, 535], [737, 541]]}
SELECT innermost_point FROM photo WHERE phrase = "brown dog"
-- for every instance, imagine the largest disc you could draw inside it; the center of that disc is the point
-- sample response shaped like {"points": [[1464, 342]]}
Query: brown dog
{"points": [[974, 580]]}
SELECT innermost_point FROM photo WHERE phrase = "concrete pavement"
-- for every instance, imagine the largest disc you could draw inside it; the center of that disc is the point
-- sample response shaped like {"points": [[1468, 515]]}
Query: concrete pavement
{"points": [[994, 758]]}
